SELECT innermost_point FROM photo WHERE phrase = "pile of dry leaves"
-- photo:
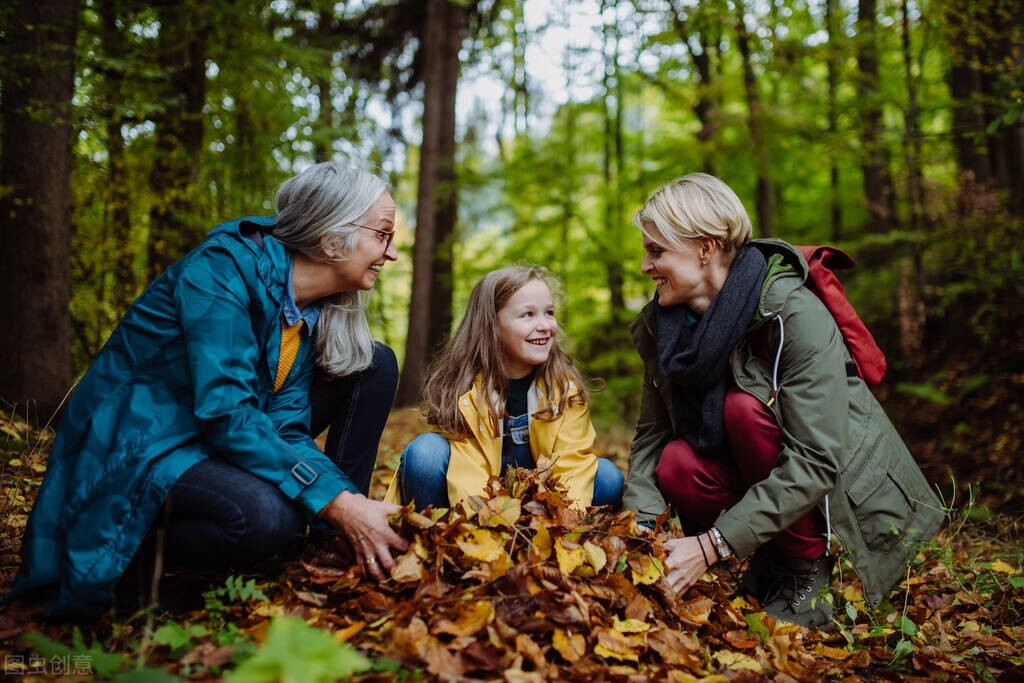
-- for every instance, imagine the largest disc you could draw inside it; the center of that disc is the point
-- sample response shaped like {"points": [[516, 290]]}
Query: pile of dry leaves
{"points": [[522, 585]]}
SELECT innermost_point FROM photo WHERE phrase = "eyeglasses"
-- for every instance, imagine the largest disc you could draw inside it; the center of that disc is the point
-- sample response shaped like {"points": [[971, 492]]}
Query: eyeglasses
{"points": [[386, 236]]}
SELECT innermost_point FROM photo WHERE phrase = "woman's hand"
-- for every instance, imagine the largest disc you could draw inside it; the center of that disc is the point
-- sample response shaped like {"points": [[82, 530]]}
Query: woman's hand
{"points": [[686, 561], [365, 523]]}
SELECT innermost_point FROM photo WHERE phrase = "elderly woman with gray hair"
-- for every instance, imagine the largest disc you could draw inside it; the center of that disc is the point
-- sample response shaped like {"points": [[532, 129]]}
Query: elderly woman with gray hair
{"points": [[197, 417], [752, 426]]}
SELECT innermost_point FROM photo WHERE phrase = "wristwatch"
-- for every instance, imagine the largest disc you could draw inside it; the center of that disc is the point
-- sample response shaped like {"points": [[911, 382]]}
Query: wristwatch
{"points": [[724, 553]]}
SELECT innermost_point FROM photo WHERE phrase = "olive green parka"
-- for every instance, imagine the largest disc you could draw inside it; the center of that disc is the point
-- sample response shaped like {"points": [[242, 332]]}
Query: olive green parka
{"points": [[840, 453]]}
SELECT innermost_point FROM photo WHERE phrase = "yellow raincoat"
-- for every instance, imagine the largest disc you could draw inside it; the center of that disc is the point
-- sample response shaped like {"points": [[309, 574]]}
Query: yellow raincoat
{"points": [[567, 440]]}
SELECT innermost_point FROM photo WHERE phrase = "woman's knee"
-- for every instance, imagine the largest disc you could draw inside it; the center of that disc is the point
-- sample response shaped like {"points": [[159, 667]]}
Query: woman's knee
{"points": [[677, 467], [275, 527]]}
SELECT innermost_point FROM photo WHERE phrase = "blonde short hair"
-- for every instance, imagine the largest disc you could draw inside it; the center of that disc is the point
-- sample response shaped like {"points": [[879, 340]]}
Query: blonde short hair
{"points": [[696, 205]]}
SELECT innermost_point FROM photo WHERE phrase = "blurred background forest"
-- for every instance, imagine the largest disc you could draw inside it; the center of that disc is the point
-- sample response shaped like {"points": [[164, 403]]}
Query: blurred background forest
{"points": [[530, 130]]}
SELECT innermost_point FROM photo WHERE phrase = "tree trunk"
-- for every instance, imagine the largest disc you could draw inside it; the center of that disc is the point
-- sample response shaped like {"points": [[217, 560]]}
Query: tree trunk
{"points": [[705, 108], [612, 169], [430, 314], [834, 63], [322, 137], [987, 53], [878, 184], [35, 167], [118, 199], [765, 192], [173, 229], [910, 304]]}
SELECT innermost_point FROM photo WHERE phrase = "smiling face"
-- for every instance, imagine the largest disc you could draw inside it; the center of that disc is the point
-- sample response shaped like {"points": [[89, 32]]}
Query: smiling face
{"points": [[374, 246], [684, 275], [527, 327]]}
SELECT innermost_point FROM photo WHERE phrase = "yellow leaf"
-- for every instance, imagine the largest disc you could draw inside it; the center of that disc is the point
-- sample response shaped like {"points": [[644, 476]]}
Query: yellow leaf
{"points": [[268, 609], [614, 645], [10, 431], [540, 547], [483, 545], [1002, 567], [16, 462], [346, 633], [571, 646], [630, 625], [729, 659], [740, 604], [500, 511], [596, 556], [568, 559], [646, 569]]}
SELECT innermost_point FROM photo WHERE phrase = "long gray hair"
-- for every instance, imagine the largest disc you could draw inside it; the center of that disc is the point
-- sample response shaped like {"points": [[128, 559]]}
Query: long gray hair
{"points": [[317, 208]]}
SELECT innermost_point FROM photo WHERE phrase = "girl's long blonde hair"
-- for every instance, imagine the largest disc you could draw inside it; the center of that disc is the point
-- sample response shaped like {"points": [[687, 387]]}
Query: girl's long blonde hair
{"points": [[476, 349]]}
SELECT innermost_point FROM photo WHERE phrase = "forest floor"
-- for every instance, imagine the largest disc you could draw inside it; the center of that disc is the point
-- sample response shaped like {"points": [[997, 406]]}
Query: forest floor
{"points": [[523, 588]]}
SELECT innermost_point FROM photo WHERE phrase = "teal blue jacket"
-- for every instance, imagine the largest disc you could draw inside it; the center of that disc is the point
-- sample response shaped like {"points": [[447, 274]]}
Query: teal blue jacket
{"points": [[187, 374]]}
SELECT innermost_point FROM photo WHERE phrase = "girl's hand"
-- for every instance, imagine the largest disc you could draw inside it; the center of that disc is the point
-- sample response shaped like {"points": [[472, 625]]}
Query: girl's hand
{"points": [[365, 523], [685, 562]]}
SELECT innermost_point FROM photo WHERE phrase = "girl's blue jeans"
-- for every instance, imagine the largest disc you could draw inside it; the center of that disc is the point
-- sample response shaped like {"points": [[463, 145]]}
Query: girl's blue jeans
{"points": [[423, 471]]}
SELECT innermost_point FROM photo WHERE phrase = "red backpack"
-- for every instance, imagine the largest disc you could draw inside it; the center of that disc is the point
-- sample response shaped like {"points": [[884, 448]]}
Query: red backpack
{"points": [[822, 280]]}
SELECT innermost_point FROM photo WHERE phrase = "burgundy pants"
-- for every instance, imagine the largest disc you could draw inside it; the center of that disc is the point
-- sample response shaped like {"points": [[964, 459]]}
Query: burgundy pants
{"points": [[700, 487]]}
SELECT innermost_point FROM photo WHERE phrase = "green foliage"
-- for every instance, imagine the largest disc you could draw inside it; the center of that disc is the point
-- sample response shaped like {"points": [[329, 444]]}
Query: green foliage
{"points": [[236, 589], [297, 653], [104, 664], [179, 638]]}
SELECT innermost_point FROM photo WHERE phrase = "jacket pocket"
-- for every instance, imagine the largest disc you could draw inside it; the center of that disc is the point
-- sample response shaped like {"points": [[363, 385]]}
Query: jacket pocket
{"points": [[880, 501]]}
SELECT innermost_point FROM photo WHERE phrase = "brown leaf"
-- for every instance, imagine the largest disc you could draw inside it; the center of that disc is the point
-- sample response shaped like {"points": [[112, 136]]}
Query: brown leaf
{"points": [[208, 656], [676, 649], [528, 648], [740, 639], [465, 619], [695, 612], [408, 568], [409, 642], [612, 644], [442, 662]]}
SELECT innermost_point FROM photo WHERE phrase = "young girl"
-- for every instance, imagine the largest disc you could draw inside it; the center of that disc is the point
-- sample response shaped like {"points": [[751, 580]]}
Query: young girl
{"points": [[502, 394]]}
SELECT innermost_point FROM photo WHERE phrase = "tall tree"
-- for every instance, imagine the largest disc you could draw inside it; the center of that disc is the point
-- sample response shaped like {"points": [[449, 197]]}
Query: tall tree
{"points": [[35, 163], [878, 184], [986, 42], [182, 51], [430, 314], [112, 72], [909, 302], [764, 199], [834, 61]]}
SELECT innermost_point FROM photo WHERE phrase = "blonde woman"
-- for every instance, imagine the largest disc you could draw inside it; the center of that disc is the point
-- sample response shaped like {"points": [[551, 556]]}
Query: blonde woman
{"points": [[752, 425]]}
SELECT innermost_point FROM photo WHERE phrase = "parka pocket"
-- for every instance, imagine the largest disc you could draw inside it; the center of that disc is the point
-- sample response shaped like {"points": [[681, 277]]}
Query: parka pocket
{"points": [[880, 501]]}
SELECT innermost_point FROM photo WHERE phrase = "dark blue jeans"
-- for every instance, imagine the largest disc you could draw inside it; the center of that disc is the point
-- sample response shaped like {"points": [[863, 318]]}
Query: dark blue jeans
{"points": [[219, 515], [423, 473]]}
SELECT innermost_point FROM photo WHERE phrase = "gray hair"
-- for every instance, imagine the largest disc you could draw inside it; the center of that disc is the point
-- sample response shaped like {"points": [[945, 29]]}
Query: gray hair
{"points": [[317, 208], [696, 205]]}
